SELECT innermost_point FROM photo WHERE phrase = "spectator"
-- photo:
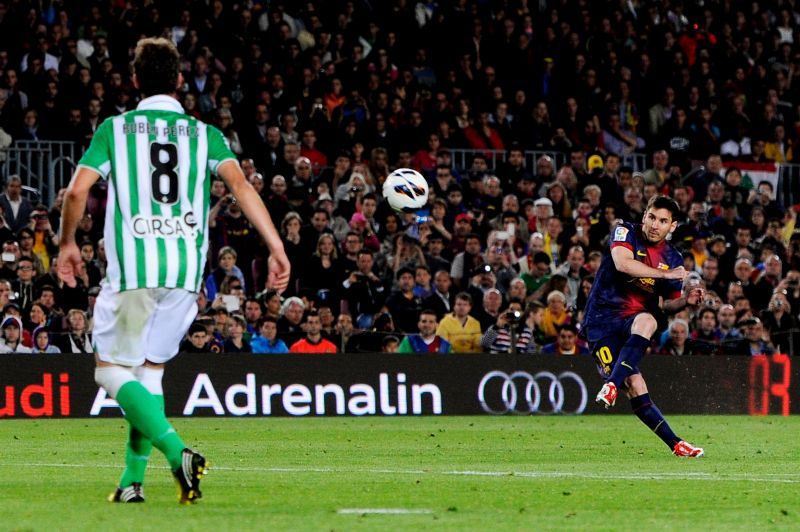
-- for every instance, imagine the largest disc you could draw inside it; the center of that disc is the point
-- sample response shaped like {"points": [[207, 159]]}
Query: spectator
{"points": [[12, 336], [510, 334], [755, 339], [41, 342], [77, 339], [313, 343], [197, 340], [566, 343], [292, 311], [234, 337], [427, 341], [16, 209], [364, 291], [267, 340], [226, 267], [678, 343], [461, 330], [402, 304], [441, 300], [555, 314]]}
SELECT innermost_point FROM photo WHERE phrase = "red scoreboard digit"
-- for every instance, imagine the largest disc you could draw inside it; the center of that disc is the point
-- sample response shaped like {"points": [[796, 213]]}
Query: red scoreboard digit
{"points": [[763, 389]]}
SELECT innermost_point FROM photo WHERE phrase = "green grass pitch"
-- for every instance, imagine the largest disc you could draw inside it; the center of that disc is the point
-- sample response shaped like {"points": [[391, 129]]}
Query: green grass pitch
{"points": [[457, 473]]}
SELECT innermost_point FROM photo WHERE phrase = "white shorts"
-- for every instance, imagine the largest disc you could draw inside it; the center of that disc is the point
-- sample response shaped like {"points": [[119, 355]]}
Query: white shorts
{"points": [[147, 323]]}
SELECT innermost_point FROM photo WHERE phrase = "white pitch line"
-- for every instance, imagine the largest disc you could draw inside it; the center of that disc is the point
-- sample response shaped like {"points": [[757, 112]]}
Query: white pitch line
{"points": [[384, 511], [687, 475]]}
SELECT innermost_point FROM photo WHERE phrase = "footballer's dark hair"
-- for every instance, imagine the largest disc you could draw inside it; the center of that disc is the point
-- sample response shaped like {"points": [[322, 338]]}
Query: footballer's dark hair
{"points": [[663, 202], [157, 66]]}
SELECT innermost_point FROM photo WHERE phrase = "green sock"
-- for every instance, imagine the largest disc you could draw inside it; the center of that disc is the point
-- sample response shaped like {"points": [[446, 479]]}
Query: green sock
{"points": [[143, 412], [137, 452]]}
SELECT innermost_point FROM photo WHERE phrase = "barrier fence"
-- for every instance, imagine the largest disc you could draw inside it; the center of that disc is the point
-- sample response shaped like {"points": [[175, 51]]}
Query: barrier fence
{"points": [[56, 386]]}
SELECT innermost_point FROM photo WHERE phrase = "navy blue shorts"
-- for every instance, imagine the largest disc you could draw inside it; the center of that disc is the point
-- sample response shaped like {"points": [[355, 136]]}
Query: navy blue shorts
{"points": [[606, 338]]}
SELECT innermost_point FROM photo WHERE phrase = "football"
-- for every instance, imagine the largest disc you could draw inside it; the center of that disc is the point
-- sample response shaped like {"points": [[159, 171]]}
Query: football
{"points": [[406, 190]]}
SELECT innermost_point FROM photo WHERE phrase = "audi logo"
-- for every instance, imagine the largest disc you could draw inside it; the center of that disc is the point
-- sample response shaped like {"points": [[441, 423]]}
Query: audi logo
{"points": [[535, 401]]}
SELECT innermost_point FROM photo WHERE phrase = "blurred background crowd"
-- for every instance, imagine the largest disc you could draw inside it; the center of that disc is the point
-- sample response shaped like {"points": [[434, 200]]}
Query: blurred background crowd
{"points": [[537, 124]]}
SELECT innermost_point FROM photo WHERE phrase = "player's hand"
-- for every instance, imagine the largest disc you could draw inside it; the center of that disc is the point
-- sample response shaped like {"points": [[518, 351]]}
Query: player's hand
{"points": [[69, 262], [695, 296], [678, 273], [279, 271]]}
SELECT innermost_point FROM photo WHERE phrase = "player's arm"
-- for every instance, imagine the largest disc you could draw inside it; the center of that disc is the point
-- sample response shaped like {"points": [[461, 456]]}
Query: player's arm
{"points": [[690, 298], [626, 263], [256, 212], [69, 256]]}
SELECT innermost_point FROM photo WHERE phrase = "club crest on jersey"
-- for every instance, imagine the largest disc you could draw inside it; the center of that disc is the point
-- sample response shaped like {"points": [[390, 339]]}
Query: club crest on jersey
{"points": [[165, 226], [620, 234], [662, 266]]}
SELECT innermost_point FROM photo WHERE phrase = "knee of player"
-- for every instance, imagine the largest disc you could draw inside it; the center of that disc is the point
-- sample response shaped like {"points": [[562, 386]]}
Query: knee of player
{"points": [[635, 385], [644, 325]]}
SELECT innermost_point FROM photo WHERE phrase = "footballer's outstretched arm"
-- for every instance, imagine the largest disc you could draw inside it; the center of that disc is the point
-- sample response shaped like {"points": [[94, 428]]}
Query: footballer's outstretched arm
{"points": [[626, 263], [256, 212]]}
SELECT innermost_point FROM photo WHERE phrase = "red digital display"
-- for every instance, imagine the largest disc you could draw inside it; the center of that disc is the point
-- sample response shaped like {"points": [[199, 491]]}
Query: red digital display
{"points": [[770, 378]]}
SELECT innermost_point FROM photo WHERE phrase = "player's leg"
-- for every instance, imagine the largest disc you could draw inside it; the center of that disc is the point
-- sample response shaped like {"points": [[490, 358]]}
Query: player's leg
{"points": [[121, 322], [137, 451], [642, 329], [650, 415], [174, 312]]}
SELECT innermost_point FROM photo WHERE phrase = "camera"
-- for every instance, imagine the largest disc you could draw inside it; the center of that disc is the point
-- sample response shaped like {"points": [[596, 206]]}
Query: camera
{"points": [[356, 189], [318, 106], [513, 316], [778, 303]]}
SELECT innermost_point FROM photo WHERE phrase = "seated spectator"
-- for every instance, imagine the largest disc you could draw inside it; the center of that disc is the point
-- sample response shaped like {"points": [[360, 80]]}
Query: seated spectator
{"points": [[12, 336], [755, 339], [566, 343], [402, 304], [41, 342], [197, 340], [427, 341], [234, 341], [678, 343], [511, 324], [313, 343], [705, 338], [442, 298], [226, 266], [77, 339], [291, 318], [461, 330], [364, 290], [267, 340], [390, 344], [488, 312], [555, 315]]}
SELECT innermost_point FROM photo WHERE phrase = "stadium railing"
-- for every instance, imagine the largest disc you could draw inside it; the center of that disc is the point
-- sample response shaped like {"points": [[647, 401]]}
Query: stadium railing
{"points": [[45, 166]]}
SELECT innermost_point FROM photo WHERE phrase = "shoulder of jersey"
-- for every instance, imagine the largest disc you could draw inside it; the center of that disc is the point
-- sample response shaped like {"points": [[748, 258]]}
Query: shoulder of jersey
{"points": [[621, 231]]}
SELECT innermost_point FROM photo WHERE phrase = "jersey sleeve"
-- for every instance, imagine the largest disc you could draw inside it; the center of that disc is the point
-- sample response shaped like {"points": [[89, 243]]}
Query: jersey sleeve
{"points": [[622, 235], [219, 149], [98, 154], [674, 288]]}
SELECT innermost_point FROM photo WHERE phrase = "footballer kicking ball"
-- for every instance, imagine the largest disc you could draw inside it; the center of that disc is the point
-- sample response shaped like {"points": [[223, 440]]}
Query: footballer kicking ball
{"points": [[406, 190]]}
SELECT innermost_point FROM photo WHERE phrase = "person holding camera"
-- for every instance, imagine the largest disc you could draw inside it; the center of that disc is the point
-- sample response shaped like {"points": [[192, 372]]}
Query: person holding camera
{"points": [[781, 324], [510, 334], [364, 291]]}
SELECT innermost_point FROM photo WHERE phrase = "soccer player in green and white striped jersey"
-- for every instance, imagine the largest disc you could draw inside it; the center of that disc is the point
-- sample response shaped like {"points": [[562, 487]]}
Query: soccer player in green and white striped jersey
{"points": [[157, 162]]}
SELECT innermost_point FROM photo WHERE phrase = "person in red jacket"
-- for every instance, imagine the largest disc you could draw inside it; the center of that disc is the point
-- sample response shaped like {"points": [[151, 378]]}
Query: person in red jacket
{"points": [[313, 343]]}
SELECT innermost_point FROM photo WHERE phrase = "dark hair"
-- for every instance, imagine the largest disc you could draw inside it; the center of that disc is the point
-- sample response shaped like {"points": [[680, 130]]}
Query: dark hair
{"points": [[464, 296], [429, 312], [157, 66], [663, 202], [261, 321]]}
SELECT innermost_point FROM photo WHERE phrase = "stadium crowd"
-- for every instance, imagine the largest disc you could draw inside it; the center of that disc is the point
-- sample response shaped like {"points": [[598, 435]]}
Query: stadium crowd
{"points": [[321, 100]]}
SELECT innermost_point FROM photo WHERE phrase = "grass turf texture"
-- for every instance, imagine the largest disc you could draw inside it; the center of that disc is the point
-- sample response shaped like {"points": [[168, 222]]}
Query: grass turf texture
{"points": [[599, 472]]}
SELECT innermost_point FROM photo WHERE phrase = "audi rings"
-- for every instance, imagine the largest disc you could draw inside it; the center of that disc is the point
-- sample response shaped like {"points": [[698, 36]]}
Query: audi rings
{"points": [[535, 401]]}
